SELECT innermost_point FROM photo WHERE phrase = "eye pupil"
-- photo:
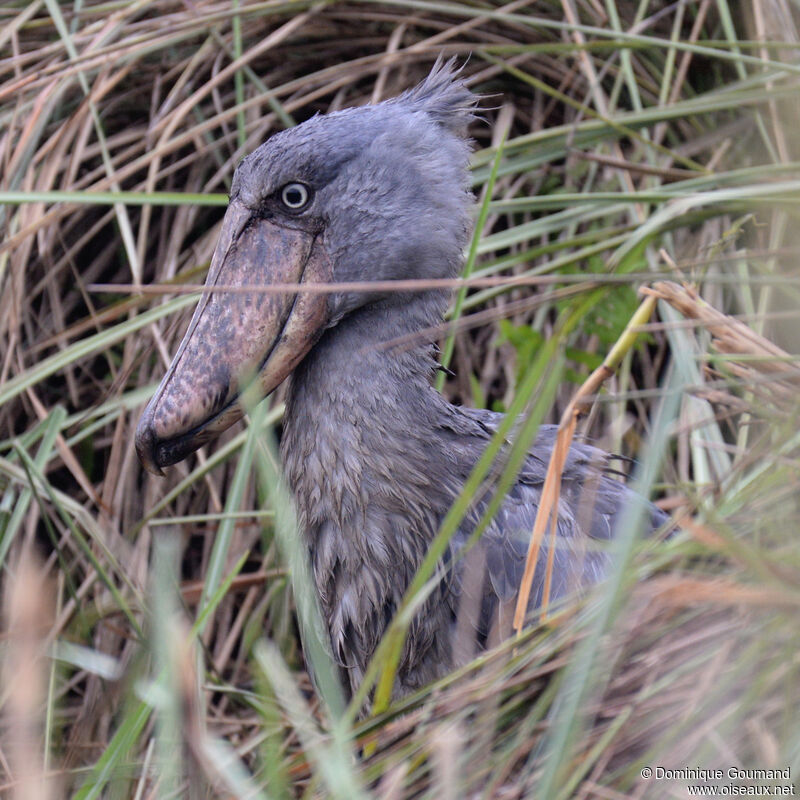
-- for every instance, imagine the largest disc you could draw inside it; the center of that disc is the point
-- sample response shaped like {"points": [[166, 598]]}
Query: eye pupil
{"points": [[294, 196]]}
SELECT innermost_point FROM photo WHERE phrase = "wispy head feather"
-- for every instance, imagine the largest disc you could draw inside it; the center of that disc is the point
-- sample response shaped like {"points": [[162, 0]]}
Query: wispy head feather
{"points": [[445, 97]]}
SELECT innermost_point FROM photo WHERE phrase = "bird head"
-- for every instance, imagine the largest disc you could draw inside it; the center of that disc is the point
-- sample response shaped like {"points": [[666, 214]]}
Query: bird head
{"points": [[375, 193]]}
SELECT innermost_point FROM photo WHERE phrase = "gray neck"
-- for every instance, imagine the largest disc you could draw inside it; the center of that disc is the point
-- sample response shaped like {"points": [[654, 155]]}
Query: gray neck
{"points": [[374, 366], [361, 446]]}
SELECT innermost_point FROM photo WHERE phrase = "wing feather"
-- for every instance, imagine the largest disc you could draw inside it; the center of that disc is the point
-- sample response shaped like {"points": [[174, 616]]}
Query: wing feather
{"points": [[591, 507]]}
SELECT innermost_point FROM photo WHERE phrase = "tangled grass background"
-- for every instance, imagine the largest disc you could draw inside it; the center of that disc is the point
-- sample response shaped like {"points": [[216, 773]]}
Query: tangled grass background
{"points": [[149, 637]]}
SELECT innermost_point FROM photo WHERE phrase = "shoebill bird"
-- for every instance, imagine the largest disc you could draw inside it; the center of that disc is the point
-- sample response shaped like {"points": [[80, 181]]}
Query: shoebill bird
{"points": [[373, 454]]}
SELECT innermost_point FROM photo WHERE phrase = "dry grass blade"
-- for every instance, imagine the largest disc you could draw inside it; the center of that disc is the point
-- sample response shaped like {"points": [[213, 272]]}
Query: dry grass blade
{"points": [[27, 613], [551, 490], [752, 355]]}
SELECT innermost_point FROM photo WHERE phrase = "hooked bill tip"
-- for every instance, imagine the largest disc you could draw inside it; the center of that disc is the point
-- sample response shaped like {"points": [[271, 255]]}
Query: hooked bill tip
{"points": [[147, 446]]}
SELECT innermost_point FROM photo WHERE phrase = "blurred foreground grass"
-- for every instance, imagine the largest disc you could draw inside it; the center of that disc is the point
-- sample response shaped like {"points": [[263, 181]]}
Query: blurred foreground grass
{"points": [[150, 646]]}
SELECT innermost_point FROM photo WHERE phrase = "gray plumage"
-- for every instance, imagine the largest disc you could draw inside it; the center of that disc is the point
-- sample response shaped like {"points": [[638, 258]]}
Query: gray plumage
{"points": [[374, 456]]}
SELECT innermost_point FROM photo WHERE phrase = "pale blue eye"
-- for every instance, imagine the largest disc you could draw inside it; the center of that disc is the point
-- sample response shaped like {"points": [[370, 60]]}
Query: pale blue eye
{"points": [[295, 196]]}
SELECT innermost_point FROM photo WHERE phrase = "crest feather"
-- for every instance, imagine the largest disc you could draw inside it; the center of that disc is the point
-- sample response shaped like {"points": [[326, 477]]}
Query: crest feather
{"points": [[445, 97]]}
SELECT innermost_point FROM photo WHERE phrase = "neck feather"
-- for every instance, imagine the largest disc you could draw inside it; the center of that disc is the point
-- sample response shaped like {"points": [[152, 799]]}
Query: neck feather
{"points": [[364, 455], [377, 359], [361, 409]]}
